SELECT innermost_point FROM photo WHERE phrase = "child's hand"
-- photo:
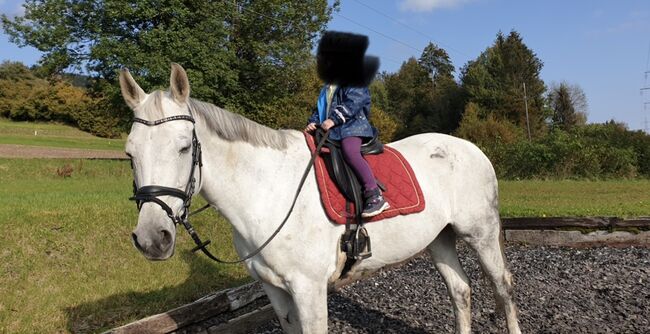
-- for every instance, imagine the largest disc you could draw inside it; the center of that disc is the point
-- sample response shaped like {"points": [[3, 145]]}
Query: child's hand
{"points": [[310, 127], [327, 124]]}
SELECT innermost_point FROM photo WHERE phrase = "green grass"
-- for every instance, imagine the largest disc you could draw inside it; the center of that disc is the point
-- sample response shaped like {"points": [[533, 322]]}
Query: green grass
{"points": [[67, 263], [53, 135], [622, 198]]}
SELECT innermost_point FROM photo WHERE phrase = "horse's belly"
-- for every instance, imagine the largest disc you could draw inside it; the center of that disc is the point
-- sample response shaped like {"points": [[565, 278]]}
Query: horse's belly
{"points": [[398, 239]]}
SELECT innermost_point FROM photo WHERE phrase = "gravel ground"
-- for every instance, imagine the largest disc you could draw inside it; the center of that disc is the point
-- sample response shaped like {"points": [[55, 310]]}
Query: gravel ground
{"points": [[558, 290]]}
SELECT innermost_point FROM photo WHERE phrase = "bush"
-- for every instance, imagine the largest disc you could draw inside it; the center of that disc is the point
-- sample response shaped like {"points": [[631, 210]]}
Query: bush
{"points": [[25, 97], [564, 155]]}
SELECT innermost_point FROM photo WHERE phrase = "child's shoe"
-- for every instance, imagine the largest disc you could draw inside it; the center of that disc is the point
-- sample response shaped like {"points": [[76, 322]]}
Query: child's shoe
{"points": [[374, 203]]}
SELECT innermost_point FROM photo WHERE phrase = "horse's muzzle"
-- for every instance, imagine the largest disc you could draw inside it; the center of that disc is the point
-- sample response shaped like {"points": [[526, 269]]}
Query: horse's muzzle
{"points": [[154, 245]]}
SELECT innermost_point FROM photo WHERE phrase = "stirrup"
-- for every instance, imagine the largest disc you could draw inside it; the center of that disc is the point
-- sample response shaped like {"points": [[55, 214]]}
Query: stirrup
{"points": [[356, 244], [361, 249]]}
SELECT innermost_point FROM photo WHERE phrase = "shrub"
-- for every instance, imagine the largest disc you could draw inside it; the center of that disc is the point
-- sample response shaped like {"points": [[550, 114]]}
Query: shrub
{"points": [[601, 151]]}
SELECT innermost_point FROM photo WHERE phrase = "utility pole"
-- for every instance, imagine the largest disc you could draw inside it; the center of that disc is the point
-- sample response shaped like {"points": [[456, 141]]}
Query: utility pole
{"points": [[526, 105], [643, 90], [645, 117]]}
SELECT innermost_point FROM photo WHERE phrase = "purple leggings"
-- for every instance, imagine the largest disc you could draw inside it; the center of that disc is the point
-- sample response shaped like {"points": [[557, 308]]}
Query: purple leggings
{"points": [[352, 153]]}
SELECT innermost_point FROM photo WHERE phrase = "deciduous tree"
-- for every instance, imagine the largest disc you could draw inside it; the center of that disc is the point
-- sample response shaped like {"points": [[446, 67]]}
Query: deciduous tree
{"points": [[246, 55]]}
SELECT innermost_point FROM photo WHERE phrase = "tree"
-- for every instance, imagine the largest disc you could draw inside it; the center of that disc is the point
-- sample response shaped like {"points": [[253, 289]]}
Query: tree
{"points": [[496, 78], [422, 101], [243, 55], [382, 120], [15, 71], [569, 105], [436, 61]]}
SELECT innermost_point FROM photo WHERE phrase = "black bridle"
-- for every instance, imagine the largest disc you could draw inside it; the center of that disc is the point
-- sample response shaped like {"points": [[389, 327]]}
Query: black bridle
{"points": [[151, 193]]}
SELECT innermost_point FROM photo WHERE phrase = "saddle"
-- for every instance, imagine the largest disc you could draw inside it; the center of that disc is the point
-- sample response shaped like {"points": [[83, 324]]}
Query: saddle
{"points": [[342, 174], [355, 241]]}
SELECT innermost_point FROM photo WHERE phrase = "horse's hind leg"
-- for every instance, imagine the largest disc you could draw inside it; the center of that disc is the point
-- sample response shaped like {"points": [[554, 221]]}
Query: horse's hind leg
{"points": [[487, 244], [444, 255]]}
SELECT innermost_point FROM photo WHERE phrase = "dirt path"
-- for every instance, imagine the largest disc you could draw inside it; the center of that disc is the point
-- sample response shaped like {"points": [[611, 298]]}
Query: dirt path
{"points": [[31, 152]]}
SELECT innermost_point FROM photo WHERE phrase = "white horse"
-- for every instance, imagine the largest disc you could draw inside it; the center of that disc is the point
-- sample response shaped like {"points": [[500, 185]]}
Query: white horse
{"points": [[250, 174]]}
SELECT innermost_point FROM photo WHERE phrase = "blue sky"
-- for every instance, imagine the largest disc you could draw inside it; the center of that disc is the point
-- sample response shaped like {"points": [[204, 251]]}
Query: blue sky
{"points": [[603, 46], [600, 45]]}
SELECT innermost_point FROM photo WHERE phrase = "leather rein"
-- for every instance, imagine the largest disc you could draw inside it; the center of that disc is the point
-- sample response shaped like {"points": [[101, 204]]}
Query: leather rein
{"points": [[150, 193]]}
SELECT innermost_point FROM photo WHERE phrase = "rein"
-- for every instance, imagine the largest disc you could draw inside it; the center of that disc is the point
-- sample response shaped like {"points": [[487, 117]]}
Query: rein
{"points": [[151, 193]]}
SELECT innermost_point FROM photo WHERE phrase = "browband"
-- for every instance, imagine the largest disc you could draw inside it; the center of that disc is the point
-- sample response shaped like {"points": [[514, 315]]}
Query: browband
{"points": [[163, 120]]}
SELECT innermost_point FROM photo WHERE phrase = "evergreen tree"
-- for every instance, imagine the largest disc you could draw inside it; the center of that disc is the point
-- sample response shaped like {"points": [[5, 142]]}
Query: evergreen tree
{"points": [[569, 106], [424, 95], [437, 63], [495, 81]]}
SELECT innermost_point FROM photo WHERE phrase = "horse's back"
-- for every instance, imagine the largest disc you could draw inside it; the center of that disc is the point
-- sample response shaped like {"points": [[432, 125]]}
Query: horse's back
{"points": [[455, 175]]}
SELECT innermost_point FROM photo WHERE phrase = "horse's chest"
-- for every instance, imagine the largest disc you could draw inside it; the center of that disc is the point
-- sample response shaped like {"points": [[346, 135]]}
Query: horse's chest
{"points": [[265, 274]]}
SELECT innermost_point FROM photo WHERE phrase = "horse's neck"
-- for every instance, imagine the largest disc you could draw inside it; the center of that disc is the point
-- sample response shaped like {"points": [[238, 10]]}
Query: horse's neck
{"points": [[248, 184]]}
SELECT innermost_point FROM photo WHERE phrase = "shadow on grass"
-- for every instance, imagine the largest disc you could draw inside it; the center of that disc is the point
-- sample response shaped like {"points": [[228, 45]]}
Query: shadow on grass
{"points": [[119, 309]]}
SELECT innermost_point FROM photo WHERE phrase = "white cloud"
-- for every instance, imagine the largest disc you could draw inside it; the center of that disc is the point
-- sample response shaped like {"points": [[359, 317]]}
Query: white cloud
{"points": [[429, 5]]}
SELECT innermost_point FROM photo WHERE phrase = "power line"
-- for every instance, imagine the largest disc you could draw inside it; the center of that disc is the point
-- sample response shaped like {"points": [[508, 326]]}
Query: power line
{"points": [[242, 8], [378, 32], [411, 28], [285, 23]]}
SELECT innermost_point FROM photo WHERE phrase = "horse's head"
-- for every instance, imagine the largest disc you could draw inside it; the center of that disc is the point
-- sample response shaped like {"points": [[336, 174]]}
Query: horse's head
{"points": [[163, 149]]}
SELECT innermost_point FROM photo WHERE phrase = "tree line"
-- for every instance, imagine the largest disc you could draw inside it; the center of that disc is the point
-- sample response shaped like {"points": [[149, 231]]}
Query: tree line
{"points": [[254, 58]]}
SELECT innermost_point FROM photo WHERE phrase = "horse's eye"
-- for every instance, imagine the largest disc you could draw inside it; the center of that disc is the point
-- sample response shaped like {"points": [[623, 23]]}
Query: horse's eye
{"points": [[185, 149], [128, 155]]}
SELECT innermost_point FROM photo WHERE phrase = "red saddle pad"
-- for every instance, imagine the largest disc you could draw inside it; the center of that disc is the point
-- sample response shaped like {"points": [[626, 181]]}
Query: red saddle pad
{"points": [[403, 191]]}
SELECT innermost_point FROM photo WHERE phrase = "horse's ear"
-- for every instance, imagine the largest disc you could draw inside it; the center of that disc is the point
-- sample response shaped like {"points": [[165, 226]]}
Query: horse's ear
{"points": [[131, 92], [179, 84]]}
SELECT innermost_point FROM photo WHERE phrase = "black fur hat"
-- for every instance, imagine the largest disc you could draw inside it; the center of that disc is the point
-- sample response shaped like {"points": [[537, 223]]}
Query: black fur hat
{"points": [[341, 59]]}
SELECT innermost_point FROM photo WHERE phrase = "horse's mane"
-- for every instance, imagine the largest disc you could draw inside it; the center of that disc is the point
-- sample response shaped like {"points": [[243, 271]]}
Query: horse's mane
{"points": [[234, 127]]}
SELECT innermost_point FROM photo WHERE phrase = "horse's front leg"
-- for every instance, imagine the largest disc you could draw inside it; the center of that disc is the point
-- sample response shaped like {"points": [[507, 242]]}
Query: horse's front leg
{"points": [[310, 300], [301, 310]]}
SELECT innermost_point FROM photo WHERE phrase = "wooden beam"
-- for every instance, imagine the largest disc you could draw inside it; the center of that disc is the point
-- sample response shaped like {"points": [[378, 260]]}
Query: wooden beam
{"points": [[245, 323], [209, 306], [640, 222], [549, 223]]}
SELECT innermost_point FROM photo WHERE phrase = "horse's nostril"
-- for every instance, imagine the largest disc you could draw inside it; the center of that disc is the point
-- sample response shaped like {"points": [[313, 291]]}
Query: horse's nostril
{"points": [[166, 237]]}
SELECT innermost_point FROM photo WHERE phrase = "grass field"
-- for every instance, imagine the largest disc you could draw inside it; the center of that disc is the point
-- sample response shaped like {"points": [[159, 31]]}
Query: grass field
{"points": [[53, 135], [67, 263], [622, 198]]}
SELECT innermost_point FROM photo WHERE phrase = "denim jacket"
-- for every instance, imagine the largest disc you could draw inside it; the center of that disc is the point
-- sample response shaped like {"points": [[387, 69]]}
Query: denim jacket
{"points": [[350, 110]]}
